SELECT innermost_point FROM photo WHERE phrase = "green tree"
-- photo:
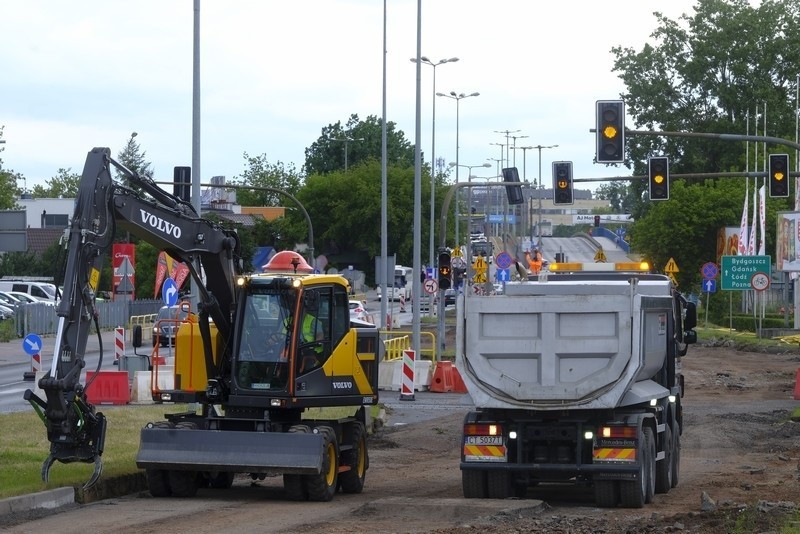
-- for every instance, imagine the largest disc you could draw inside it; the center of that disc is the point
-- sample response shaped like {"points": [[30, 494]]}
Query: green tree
{"points": [[327, 153], [260, 173], [708, 72], [618, 194], [133, 157], [63, 185]]}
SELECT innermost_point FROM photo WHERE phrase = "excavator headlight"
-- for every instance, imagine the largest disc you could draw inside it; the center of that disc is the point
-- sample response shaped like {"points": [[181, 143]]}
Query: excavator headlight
{"points": [[276, 403]]}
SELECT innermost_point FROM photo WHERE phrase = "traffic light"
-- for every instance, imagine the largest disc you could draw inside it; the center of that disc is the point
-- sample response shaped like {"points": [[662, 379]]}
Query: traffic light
{"points": [[182, 183], [779, 175], [610, 131], [514, 193], [562, 182], [658, 178], [445, 270], [596, 221]]}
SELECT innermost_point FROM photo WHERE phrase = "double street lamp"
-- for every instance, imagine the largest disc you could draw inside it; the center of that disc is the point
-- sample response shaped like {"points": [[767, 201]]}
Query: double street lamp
{"points": [[457, 97], [469, 192], [425, 61], [347, 139]]}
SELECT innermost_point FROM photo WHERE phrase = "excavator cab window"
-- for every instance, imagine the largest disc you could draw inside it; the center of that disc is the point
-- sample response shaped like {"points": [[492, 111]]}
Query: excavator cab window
{"points": [[314, 344]]}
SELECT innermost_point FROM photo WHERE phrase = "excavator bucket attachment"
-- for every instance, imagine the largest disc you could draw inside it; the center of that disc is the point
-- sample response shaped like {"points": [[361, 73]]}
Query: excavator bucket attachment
{"points": [[230, 451]]}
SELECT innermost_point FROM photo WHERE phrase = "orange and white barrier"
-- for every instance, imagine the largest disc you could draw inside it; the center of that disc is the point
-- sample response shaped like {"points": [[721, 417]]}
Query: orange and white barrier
{"points": [[119, 343], [407, 384]]}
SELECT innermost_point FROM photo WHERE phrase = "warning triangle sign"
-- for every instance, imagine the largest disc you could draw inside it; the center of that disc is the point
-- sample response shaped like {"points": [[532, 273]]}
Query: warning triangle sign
{"points": [[671, 267]]}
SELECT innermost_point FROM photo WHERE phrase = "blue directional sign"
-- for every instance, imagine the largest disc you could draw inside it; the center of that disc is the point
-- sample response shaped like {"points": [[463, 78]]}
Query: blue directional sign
{"points": [[32, 344], [503, 260], [709, 285], [169, 292], [503, 275]]}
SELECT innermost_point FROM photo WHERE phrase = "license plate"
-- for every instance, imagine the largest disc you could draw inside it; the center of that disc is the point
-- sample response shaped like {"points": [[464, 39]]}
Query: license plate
{"points": [[483, 440]]}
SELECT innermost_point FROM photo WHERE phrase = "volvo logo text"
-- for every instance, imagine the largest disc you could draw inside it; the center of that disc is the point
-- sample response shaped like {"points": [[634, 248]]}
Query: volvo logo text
{"points": [[160, 224]]}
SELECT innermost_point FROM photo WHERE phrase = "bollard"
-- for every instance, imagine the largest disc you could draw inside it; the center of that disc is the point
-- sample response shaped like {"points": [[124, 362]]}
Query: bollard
{"points": [[36, 366], [407, 384], [119, 344]]}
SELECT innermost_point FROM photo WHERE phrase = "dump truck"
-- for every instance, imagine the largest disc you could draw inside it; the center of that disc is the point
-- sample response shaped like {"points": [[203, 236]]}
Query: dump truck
{"points": [[575, 377], [256, 353]]}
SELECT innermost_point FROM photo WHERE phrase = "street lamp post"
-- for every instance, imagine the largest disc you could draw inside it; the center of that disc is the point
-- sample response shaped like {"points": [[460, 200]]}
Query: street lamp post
{"points": [[524, 178], [425, 61], [457, 97], [469, 189], [347, 140]]}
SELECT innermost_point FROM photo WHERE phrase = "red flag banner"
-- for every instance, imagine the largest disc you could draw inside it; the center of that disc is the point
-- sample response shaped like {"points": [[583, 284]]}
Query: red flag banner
{"points": [[161, 272], [180, 273]]}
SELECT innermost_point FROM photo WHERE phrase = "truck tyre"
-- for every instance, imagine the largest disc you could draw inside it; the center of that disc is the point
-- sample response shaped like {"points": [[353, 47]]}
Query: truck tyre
{"points": [[606, 493], [474, 484], [294, 485], [352, 480], [664, 467], [499, 484], [650, 465], [676, 455], [220, 480], [634, 493], [321, 487]]}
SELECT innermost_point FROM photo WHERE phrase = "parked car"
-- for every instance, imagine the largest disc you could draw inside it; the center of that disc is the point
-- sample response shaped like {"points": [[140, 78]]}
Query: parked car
{"points": [[28, 299], [166, 326], [358, 311], [449, 297], [8, 300], [6, 312]]}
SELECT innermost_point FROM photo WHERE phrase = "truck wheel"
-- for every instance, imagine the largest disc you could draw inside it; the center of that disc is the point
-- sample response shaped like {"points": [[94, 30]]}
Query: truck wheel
{"points": [[650, 465], [634, 493], [664, 467], [321, 487], [606, 493], [294, 485], [182, 483], [499, 484], [352, 480], [474, 484], [157, 482], [676, 455]]}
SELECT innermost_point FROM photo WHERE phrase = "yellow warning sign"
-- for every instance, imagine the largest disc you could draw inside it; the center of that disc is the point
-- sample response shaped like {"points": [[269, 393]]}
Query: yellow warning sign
{"points": [[671, 267], [456, 252], [480, 278], [674, 280], [600, 256], [480, 265]]}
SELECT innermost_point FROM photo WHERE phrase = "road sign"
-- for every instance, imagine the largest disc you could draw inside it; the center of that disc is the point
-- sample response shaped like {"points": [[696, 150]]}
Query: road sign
{"points": [[480, 265], [709, 285], [430, 285], [458, 262], [504, 260], [503, 275], [600, 256], [738, 271], [169, 292], [671, 267], [480, 278], [32, 344], [456, 252], [709, 270], [759, 281], [673, 279]]}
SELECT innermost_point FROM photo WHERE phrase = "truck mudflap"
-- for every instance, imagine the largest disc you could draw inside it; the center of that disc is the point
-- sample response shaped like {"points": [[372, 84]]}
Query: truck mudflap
{"points": [[230, 451]]}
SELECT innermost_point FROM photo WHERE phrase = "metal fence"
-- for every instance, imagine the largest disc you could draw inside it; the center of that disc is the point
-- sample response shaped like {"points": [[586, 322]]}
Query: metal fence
{"points": [[40, 318]]}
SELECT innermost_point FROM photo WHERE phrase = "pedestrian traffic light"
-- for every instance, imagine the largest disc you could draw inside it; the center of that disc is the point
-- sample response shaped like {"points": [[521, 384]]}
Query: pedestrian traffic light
{"points": [[779, 175], [445, 270], [610, 131], [596, 221], [514, 193], [658, 178], [562, 182]]}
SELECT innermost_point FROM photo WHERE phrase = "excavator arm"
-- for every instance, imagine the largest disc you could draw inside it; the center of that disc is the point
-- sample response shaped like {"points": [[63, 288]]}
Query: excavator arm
{"points": [[75, 429]]}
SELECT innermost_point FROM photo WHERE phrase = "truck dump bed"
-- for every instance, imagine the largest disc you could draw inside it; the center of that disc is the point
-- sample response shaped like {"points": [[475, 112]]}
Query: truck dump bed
{"points": [[570, 347]]}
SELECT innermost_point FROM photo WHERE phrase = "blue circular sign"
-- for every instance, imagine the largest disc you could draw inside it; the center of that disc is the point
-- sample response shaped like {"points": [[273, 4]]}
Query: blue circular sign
{"points": [[169, 292], [709, 270], [32, 344], [503, 260]]}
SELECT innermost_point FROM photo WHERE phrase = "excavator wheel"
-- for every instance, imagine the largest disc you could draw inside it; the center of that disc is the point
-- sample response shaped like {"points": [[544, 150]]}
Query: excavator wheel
{"points": [[157, 479], [352, 480], [322, 487], [184, 483], [294, 485]]}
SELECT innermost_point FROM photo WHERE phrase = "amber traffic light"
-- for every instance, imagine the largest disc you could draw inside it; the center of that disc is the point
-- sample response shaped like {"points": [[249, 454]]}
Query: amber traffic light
{"points": [[658, 178], [610, 131], [779, 175], [562, 182]]}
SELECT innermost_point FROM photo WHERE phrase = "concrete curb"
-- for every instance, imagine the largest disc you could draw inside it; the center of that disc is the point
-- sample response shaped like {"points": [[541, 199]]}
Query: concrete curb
{"points": [[44, 499]]}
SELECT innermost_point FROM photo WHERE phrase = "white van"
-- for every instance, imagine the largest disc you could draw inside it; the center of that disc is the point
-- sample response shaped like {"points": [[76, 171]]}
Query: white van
{"points": [[42, 290]]}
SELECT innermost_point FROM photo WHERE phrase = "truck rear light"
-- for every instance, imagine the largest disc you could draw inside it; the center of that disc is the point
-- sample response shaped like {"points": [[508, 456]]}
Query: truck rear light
{"points": [[618, 432], [487, 429]]}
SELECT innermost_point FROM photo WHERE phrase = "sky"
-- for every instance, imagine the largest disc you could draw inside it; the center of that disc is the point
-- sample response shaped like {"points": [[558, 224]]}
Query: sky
{"points": [[273, 73]]}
